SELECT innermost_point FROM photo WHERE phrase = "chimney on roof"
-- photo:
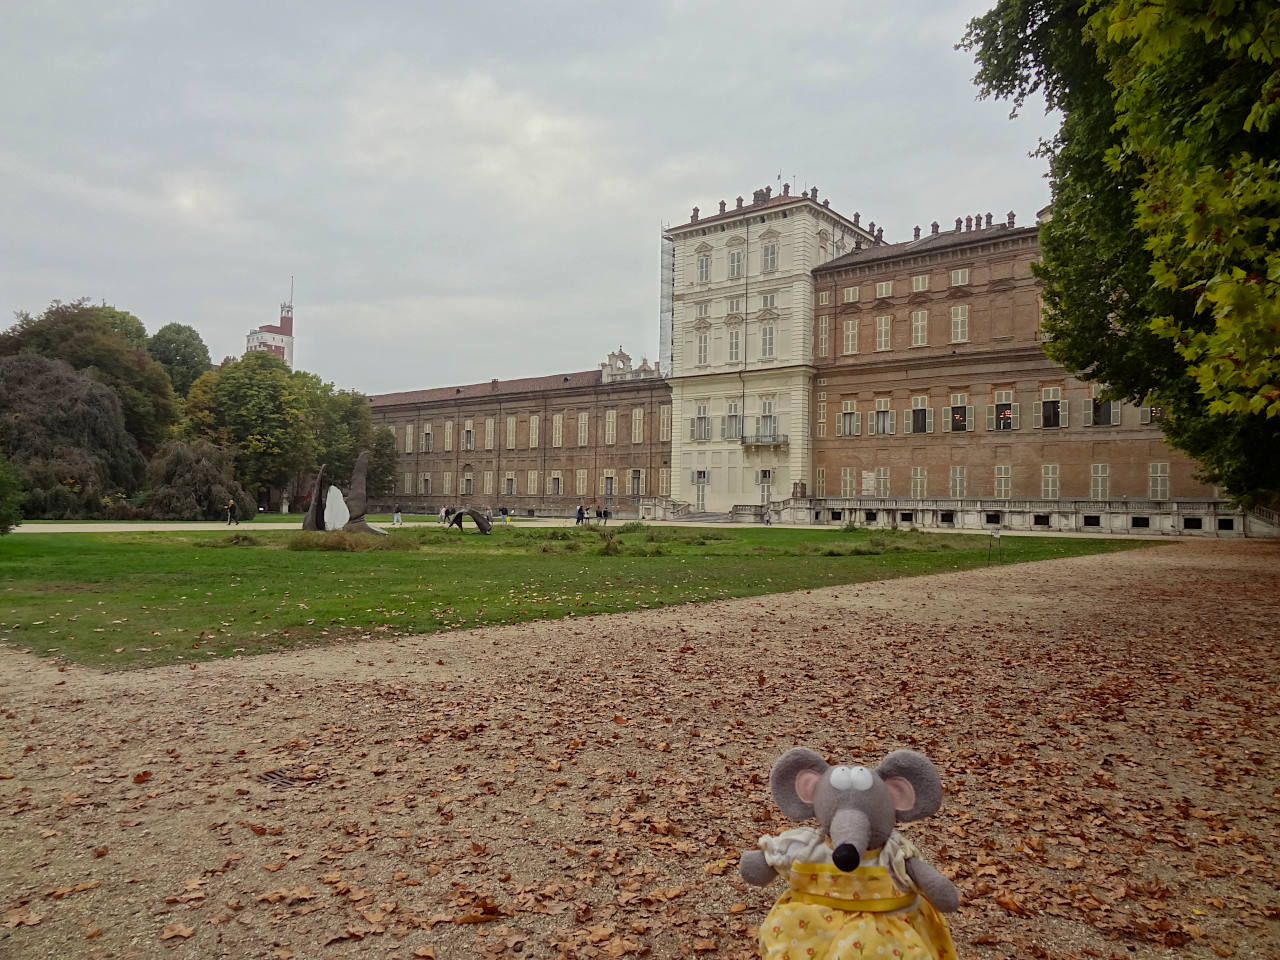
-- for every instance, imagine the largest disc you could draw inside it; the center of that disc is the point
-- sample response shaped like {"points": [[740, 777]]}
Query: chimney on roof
{"points": [[933, 228], [722, 206], [857, 243], [694, 218], [826, 202], [871, 228], [786, 189], [813, 192], [768, 192], [757, 196], [880, 235], [917, 236], [968, 222], [1009, 219], [739, 203], [857, 218], [987, 223], [977, 222], [959, 224], [493, 384]]}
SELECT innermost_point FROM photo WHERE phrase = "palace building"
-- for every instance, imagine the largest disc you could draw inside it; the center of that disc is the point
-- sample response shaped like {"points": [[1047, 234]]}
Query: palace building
{"points": [[818, 375]]}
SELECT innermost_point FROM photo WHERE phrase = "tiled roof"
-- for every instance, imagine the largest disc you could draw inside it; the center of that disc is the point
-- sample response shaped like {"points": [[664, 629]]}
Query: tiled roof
{"points": [[491, 388], [930, 242]]}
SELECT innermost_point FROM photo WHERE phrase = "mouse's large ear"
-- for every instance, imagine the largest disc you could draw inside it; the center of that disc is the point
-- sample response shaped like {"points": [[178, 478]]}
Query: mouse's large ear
{"points": [[794, 781], [913, 783]]}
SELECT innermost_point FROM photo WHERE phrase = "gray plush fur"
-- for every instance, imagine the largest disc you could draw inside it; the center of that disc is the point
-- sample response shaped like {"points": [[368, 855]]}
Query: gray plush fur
{"points": [[858, 818]]}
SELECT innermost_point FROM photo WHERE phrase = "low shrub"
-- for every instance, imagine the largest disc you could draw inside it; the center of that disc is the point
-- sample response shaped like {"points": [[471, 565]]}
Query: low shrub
{"points": [[344, 542], [633, 526], [233, 540]]}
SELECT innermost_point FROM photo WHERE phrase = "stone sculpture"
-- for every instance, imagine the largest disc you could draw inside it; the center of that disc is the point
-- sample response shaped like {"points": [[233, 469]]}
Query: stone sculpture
{"points": [[483, 523], [329, 510]]}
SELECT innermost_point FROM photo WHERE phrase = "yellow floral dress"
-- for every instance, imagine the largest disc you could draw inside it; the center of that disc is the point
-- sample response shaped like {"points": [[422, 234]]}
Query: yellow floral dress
{"points": [[828, 914]]}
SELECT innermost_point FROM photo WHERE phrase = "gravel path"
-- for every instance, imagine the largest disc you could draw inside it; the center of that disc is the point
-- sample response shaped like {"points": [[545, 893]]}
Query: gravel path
{"points": [[1105, 727]]}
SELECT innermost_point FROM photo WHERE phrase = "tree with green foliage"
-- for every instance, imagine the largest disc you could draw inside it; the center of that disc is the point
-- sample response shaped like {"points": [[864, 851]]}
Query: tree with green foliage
{"points": [[1160, 270], [381, 477], [11, 496], [130, 328], [65, 433], [259, 404], [193, 481], [180, 350], [84, 336]]}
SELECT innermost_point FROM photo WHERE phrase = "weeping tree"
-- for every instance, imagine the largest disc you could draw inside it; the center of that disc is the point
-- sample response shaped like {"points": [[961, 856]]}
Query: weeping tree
{"points": [[11, 496], [193, 481], [65, 434]]}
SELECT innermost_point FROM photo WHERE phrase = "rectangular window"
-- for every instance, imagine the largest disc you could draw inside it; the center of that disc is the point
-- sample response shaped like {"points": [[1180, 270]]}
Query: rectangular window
{"points": [[664, 423], [637, 483], [488, 481], [960, 323], [1004, 482], [509, 484], [448, 435], [511, 433], [920, 283], [637, 425], [957, 482], [611, 426], [820, 482], [1158, 481], [884, 327], [919, 328], [885, 417], [769, 257], [702, 341], [823, 324], [884, 288], [921, 418], [554, 485], [960, 278], [1003, 414], [824, 297], [488, 433], [664, 481], [768, 425], [448, 483], [959, 416], [1099, 481], [850, 423], [702, 310], [766, 341], [851, 336], [467, 485], [704, 269], [532, 486], [768, 301], [427, 445], [735, 345], [820, 419], [735, 264], [1100, 413], [580, 482], [557, 429], [407, 488], [1050, 411], [846, 481], [735, 306], [424, 483], [468, 435], [584, 428], [1049, 481], [882, 481], [919, 482], [534, 423], [732, 421], [408, 438], [850, 294]]}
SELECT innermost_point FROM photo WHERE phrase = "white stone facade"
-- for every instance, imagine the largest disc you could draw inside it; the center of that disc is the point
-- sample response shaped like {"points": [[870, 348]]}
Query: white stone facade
{"points": [[741, 377]]}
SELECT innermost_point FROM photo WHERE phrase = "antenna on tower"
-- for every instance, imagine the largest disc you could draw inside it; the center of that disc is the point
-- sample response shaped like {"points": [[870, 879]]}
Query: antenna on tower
{"points": [[291, 289]]}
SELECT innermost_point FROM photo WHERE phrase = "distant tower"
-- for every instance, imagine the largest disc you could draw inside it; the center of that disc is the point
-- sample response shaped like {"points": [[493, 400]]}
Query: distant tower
{"points": [[276, 338]]}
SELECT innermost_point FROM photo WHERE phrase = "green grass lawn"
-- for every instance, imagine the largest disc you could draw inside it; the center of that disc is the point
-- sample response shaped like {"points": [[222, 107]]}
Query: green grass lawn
{"points": [[123, 600]]}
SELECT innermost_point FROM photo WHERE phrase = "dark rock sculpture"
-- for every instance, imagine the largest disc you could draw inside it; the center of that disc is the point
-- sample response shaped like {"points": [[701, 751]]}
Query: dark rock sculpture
{"points": [[330, 511], [483, 524]]}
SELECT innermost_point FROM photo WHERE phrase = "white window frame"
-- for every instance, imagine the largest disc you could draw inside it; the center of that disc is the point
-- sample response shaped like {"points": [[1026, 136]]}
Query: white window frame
{"points": [[919, 328], [1003, 487], [584, 428], [824, 297], [850, 337], [884, 288], [637, 425], [702, 347], [611, 427], [1050, 481], [768, 301], [919, 482], [960, 323], [884, 333], [734, 345], [769, 257], [920, 283], [850, 294], [766, 341], [664, 423], [704, 268], [735, 264], [959, 482], [882, 481], [960, 277], [1099, 481], [534, 423], [1158, 481], [557, 429], [824, 346]]}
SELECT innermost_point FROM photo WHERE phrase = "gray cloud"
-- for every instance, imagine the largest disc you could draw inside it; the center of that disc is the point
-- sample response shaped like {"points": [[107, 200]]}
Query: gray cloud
{"points": [[463, 192]]}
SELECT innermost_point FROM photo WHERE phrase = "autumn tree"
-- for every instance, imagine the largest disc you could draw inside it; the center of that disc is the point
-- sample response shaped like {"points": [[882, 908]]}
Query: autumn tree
{"points": [[193, 481], [11, 496], [65, 433], [180, 350], [1160, 270], [86, 337]]}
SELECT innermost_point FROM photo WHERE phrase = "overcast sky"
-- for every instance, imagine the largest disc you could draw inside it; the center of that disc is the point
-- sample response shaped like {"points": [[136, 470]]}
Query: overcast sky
{"points": [[462, 190]]}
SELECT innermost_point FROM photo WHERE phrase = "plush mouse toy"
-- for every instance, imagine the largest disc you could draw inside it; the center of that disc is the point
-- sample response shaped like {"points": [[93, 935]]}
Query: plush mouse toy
{"points": [[858, 888]]}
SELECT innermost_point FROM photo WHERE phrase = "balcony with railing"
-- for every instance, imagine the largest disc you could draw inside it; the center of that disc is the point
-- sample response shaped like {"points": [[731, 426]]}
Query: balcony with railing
{"points": [[771, 439]]}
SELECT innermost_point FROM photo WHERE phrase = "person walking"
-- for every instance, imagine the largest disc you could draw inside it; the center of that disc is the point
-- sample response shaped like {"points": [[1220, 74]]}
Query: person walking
{"points": [[579, 516], [396, 521], [231, 513]]}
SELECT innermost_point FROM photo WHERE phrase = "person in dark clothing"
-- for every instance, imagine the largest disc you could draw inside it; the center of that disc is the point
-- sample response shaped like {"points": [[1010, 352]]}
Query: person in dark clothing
{"points": [[231, 513], [579, 516]]}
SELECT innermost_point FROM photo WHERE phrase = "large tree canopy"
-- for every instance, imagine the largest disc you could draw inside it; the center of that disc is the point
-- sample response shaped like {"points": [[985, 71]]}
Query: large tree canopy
{"points": [[1160, 270], [194, 481], [180, 350], [11, 496], [85, 337], [65, 433]]}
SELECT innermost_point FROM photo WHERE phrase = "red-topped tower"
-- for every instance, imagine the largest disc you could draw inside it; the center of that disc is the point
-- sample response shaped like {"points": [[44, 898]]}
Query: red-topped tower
{"points": [[276, 338]]}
